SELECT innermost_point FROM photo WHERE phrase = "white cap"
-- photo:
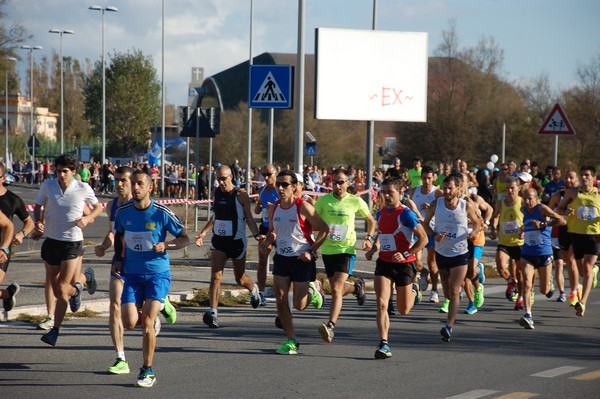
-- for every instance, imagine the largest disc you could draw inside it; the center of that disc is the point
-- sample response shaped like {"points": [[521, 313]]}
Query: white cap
{"points": [[300, 178], [524, 177]]}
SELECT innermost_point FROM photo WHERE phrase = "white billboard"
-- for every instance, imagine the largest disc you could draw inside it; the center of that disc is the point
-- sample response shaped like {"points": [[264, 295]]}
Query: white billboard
{"points": [[371, 75]]}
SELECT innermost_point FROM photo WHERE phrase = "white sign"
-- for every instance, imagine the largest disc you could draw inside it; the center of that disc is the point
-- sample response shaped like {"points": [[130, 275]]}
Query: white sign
{"points": [[371, 75]]}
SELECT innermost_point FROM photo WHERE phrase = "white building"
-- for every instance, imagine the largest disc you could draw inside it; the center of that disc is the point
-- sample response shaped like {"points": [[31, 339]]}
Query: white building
{"points": [[19, 118]]}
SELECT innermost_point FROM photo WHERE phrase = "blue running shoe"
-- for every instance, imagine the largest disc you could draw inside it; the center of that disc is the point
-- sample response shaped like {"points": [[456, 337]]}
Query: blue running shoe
{"points": [[75, 300], [383, 351], [50, 337], [210, 320], [446, 333], [263, 299], [146, 378], [471, 309]]}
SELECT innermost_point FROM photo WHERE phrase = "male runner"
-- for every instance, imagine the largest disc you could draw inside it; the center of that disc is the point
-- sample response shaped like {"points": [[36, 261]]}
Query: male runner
{"points": [[231, 212], [141, 228], [338, 209]]}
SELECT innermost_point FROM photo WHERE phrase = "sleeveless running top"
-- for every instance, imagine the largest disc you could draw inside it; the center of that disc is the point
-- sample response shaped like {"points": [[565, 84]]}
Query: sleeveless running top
{"points": [[452, 223], [536, 242], [395, 231], [585, 218], [509, 225], [229, 215], [291, 230]]}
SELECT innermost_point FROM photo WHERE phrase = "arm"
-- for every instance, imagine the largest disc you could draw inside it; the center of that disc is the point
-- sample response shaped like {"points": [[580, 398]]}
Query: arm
{"points": [[430, 214], [570, 195], [555, 218], [488, 211], [245, 201], [206, 229], [38, 228], [28, 227], [496, 220], [6, 238], [87, 219], [109, 239], [182, 240], [371, 224], [308, 211], [476, 220]]}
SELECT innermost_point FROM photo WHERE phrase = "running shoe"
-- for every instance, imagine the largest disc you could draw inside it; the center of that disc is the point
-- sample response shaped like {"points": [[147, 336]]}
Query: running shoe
{"points": [[471, 309], [75, 300], [418, 293], [359, 291], [146, 378], [157, 326], [255, 297], [10, 302], [515, 296], [446, 333], [519, 304], [579, 309], [383, 351], [50, 337], [263, 299], [316, 299], [550, 293], [434, 297], [169, 311], [391, 311], [595, 280], [210, 320], [444, 307], [510, 290], [90, 281], [561, 297], [326, 332], [479, 298], [481, 274], [120, 367], [423, 279], [572, 298], [526, 322], [46, 324], [289, 347]]}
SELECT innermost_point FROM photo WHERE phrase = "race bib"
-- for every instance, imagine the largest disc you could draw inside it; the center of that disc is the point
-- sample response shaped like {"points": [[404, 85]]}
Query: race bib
{"points": [[223, 228], [285, 246], [387, 242], [337, 232], [587, 213], [449, 231], [533, 238], [139, 241], [511, 227]]}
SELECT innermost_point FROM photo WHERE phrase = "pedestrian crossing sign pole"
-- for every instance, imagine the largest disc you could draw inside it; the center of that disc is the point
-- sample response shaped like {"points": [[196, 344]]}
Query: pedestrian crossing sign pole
{"points": [[270, 86]]}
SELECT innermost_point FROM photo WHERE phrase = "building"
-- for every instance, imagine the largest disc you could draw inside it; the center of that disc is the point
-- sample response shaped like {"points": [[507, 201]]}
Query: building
{"points": [[19, 118]]}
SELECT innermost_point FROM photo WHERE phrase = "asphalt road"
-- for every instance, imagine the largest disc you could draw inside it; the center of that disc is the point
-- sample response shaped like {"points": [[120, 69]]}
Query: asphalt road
{"points": [[489, 356]]}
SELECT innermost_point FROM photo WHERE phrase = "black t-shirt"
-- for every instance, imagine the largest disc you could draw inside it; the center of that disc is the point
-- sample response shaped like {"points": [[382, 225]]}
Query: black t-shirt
{"points": [[11, 204]]}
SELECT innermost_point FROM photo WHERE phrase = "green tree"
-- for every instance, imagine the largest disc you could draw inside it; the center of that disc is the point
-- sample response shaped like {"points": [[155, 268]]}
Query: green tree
{"points": [[132, 101]]}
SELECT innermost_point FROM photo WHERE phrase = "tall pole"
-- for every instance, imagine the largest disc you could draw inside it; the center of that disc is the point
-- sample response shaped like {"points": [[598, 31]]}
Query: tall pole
{"points": [[249, 144], [6, 116], [30, 49], [62, 97], [371, 131], [163, 99], [103, 10], [299, 142]]}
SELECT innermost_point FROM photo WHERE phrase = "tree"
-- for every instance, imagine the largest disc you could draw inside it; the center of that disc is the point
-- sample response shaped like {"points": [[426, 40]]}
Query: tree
{"points": [[132, 101], [11, 36]]}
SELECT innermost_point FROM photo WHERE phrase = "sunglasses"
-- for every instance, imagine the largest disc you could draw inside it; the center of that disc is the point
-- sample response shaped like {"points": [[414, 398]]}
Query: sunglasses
{"points": [[339, 182], [222, 178], [283, 184], [265, 175], [503, 168]]}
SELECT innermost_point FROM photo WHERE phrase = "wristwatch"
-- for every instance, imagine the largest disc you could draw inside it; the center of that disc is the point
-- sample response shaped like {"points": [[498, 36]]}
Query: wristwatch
{"points": [[406, 254], [6, 250]]}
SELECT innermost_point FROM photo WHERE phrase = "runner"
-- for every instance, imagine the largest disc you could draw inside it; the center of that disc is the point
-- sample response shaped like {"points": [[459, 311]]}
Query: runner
{"points": [[141, 228], [582, 207], [452, 213], [10, 205], [63, 200], [396, 262], [267, 197], [536, 251], [291, 221], [231, 212], [338, 209], [507, 227]]}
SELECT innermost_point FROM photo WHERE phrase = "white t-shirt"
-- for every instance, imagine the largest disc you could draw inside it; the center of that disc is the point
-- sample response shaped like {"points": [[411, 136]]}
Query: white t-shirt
{"points": [[62, 210]]}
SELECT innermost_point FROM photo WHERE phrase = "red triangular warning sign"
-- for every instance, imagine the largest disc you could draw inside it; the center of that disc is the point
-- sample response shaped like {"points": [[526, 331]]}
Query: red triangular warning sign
{"points": [[557, 123]]}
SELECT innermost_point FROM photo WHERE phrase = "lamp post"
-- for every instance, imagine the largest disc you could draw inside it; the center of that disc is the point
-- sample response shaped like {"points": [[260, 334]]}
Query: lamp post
{"points": [[30, 49], [62, 101], [103, 9], [6, 116]]}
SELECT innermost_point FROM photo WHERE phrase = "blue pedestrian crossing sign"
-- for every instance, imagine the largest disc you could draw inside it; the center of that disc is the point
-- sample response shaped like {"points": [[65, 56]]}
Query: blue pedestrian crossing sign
{"points": [[270, 86], [311, 149]]}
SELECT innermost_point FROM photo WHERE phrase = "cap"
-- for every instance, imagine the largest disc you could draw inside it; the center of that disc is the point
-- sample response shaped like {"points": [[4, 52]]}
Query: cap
{"points": [[524, 177], [300, 178]]}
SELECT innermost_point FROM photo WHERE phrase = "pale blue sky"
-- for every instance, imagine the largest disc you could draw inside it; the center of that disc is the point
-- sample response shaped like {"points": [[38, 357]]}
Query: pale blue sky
{"points": [[537, 36]]}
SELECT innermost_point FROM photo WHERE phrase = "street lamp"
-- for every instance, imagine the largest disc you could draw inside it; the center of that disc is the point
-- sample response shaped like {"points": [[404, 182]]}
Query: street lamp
{"points": [[103, 9], [6, 116], [30, 49], [62, 101]]}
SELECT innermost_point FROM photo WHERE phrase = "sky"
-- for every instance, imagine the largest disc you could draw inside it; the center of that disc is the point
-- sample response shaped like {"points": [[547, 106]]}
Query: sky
{"points": [[551, 37]]}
